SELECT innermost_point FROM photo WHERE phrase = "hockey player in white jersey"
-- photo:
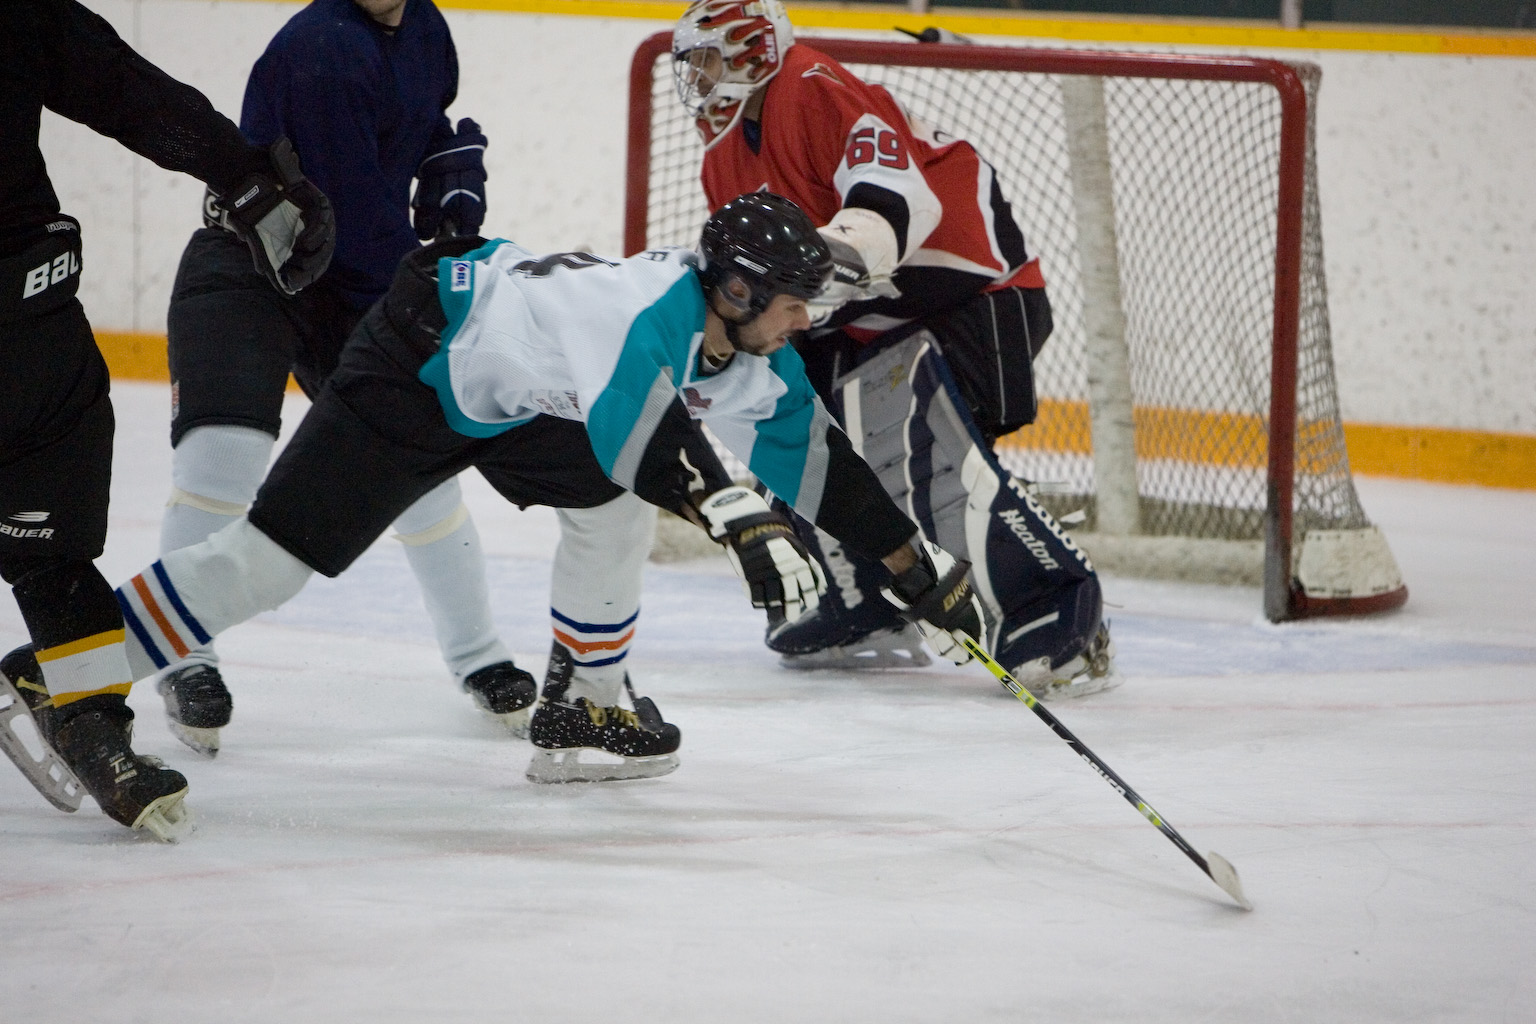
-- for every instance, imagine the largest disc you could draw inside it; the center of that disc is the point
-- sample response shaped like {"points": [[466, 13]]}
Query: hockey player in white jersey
{"points": [[568, 380]]}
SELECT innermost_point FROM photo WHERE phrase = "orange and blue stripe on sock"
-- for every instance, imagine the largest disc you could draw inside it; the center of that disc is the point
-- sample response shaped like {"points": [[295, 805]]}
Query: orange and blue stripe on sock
{"points": [[161, 621], [594, 644]]}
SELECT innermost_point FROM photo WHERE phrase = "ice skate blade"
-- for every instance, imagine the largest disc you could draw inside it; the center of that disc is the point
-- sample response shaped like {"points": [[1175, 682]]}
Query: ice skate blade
{"points": [[1079, 686], [566, 765], [515, 722], [36, 760], [167, 819], [204, 741]]}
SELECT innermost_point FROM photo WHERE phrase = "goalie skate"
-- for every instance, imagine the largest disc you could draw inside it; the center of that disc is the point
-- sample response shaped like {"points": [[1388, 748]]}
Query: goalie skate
{"points": [[24, 698], [1091, 672], [884, 648]]}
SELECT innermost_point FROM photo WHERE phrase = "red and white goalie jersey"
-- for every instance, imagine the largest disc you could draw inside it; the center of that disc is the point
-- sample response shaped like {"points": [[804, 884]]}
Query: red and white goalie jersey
{"points": [[828, 140]]}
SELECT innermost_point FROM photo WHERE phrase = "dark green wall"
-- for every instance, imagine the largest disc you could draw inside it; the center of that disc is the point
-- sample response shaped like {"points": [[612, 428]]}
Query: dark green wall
{"points": [[1471, 13]]}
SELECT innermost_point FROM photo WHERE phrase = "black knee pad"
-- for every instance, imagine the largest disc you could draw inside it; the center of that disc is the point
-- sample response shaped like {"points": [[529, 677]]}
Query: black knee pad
{"points": [[66, 601]]}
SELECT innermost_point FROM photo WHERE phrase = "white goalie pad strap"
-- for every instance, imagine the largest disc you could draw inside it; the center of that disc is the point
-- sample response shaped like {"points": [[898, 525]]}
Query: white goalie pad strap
{"points": [[870, 235], [190, 596]]}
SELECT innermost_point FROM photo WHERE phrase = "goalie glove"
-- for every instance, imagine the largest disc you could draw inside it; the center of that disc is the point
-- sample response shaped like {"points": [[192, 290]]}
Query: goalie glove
{"points": [[863, 246], [285, 220], [779, 574], [450, 186], [936, 595]]}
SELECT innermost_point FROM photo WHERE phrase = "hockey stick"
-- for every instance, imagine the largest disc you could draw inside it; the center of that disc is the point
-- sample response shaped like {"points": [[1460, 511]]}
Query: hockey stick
{"points": [[1215, 866]]}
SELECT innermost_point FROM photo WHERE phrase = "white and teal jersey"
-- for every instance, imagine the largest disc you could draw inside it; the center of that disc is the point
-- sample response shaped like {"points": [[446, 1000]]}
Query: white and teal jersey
{"points": [[615, 345]]}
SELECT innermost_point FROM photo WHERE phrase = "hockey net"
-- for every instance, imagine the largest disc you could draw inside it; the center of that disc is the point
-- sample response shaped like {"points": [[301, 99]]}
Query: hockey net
{"points": [[1173, 203]]}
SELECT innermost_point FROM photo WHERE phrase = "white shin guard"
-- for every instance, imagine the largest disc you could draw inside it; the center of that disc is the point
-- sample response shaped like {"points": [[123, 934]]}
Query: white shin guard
{"points": [[192, 595], [443, 548], [215, 472], [595, 591]]}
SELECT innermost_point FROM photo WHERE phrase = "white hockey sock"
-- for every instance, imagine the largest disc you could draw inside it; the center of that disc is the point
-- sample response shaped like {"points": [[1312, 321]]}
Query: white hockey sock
{"points": [[443, 547], [84, 668], [192, 595], [215, 472], [595, 591]]}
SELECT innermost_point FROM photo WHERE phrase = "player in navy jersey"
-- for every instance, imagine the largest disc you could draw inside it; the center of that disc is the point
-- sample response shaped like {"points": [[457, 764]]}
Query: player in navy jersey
{"points": [[567, 379], [56, 421], [361, 88], [935, 284]]}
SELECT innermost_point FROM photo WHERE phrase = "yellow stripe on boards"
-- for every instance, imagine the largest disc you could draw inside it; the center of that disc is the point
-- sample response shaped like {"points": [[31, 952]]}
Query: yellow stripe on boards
{"points": [[132, 355], [1080, 29], [1445, 455], [89, 643], [1441, 454], [1452, 456]]}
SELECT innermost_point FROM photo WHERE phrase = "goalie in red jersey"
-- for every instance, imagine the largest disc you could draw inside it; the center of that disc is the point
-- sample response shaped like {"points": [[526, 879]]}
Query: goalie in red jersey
{"points": [[935, 294]]}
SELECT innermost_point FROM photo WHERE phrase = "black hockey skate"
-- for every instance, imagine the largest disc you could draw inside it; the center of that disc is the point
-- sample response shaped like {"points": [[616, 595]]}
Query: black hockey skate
{"points": [[506, 693], [135, 790], [198, 705], [24, 697], [578, 741]]}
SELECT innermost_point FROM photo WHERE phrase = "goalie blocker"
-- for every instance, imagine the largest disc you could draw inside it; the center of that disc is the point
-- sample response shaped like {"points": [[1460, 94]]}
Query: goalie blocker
{"points": [[907, 418]]}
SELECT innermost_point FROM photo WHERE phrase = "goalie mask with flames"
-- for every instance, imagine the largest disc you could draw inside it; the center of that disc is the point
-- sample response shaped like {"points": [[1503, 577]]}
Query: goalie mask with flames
{"points": [[722, 52]]}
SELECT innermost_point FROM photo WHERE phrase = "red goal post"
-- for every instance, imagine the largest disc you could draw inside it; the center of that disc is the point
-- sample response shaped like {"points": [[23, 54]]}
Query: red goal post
{"points": [[1117, 164]]}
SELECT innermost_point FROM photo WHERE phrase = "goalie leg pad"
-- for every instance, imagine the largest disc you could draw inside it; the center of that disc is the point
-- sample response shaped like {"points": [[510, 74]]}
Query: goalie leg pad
{"points": [[910, 422]]}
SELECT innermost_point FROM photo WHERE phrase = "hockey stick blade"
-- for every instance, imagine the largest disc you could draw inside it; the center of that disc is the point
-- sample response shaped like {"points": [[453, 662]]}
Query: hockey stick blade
{"points": [[1225, 875], [1216, 867]]}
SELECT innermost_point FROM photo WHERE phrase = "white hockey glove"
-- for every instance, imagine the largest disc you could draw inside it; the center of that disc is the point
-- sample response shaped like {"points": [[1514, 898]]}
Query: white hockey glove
{"points": [[779, 574], [936, 595], [285, 220], [863, 246]]}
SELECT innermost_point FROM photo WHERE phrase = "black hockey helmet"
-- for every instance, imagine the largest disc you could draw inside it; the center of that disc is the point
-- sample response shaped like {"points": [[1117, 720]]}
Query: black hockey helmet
{"points": [[768, 243]]}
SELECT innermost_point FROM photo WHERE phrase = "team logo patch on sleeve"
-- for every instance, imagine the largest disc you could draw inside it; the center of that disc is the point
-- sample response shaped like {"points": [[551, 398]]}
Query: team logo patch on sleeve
{"points": [[821, 69]]}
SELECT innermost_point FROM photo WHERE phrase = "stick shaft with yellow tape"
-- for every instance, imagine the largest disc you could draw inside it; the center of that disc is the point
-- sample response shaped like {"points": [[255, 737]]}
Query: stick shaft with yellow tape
{"points": [[1216, 867]]}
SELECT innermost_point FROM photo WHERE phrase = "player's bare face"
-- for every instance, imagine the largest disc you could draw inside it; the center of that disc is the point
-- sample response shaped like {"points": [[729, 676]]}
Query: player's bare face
{"points": [[771, 329]]}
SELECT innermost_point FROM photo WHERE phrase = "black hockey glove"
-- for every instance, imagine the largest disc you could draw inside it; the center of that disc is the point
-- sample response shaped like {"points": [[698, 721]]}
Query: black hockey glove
{"points": [[450, 186], [778, 572], [936, 595], [283, 217]]}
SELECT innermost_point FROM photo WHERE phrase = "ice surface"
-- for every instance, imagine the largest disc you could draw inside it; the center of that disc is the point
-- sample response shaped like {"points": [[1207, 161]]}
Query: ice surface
{"points": [[906, 846]]}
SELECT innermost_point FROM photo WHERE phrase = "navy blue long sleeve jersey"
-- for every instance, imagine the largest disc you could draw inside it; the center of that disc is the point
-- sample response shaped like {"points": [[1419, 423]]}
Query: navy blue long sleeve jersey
{"points": [[362, 105]]}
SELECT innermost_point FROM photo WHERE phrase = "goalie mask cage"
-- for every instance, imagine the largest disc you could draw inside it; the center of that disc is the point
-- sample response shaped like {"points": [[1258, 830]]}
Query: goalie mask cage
{"points": [[1172, 201]]}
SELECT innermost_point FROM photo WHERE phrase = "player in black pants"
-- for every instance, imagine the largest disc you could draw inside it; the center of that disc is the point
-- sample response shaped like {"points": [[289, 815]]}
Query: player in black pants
{"points": [[361, 88], [56, 420]]}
